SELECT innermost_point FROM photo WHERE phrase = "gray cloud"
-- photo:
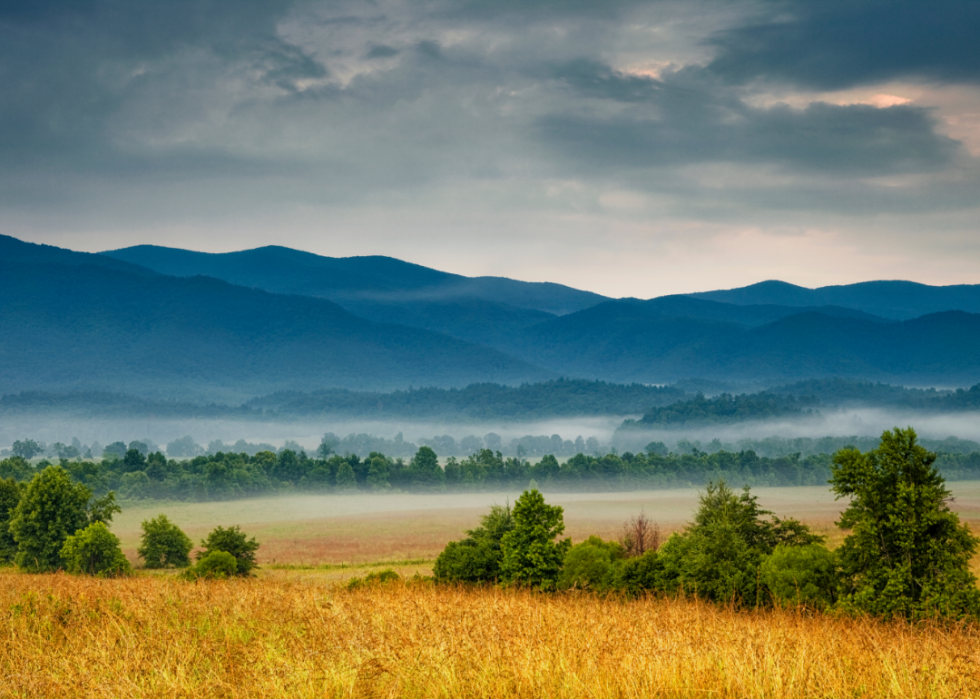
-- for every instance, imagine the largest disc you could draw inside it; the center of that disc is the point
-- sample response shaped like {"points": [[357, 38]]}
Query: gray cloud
{"points": [[834, 44], [183, 112], [688, 121]]}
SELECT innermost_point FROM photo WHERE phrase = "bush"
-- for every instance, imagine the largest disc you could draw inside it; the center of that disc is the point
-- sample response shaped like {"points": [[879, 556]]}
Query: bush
{"points": [[234, 541], [639, 574], [217, 564], [468, 561], [477, 558], [590, 565], [382, 577], [164, 544], [94, 551], [801, 575]]}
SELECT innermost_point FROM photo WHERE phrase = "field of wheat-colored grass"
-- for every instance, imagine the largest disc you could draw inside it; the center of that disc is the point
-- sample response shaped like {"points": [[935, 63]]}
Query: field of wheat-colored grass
{"points": [[158, 637]]}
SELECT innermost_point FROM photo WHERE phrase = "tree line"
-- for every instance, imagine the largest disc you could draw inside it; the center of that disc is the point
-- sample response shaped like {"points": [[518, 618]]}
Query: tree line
{"points": [[230, 475], [905, 555]]}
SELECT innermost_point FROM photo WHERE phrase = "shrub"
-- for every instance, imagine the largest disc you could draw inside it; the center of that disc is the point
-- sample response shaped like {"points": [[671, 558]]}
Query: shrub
{"points": [[234, 541], [381, 577], [163, 544], [590, 565], [477, 558], [531, 556], [94, 551], [217, 564], [639, 574], [802, 575]]}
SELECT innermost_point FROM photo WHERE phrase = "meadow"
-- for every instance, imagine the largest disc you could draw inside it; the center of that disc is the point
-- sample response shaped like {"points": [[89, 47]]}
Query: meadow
{"points": [[154, 636], [296, 630]]}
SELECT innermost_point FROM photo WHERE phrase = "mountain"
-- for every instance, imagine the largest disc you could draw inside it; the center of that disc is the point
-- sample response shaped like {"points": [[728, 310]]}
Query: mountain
{"points": [[382, 289], [72, 324], [652, 342], [899, 300]]}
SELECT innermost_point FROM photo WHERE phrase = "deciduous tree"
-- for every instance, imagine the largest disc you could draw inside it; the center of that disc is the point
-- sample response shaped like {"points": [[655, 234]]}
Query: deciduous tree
{"points": [[907, 554]]}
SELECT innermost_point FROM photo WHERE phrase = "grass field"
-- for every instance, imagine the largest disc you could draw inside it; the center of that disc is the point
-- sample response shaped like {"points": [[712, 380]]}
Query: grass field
{"points": [[153, 636]]}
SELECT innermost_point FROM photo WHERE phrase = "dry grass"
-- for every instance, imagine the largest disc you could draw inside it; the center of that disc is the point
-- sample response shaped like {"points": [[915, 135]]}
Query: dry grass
{"points": [[155, 636]]}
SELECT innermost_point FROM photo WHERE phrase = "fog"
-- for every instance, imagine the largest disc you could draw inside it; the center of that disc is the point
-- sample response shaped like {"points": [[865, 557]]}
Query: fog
{"points": [[600, 434]]}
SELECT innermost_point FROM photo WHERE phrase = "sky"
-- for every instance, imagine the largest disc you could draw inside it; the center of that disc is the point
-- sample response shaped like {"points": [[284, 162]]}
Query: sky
{"points": [[630, 148]]}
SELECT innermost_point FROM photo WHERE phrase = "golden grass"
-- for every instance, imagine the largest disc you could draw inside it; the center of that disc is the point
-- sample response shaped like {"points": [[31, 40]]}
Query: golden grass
{"points": [[155, 636]]}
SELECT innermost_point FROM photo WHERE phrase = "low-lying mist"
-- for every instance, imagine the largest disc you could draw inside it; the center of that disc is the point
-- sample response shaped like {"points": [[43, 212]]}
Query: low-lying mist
{"points": [[535, 438]]}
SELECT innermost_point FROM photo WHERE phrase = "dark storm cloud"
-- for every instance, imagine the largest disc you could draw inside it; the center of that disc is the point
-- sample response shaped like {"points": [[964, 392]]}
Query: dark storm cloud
{"points": [[834, 44], [66, 67], [337, 100], [688, 120]]}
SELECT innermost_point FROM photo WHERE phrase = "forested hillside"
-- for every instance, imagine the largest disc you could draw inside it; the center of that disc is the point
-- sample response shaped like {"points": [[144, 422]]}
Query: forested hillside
{"points": [[99, 327], [890, 299]]}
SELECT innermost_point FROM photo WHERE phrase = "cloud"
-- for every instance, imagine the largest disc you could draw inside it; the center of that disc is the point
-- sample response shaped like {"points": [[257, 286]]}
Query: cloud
{"points": [[547, 118], [835, 44]]}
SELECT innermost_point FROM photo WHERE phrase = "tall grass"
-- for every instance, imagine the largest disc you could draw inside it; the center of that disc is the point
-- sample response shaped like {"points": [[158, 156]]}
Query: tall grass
{"points": [[156, 636]]}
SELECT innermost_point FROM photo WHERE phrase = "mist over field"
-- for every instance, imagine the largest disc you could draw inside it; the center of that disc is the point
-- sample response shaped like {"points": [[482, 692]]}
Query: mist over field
{"points": [[605, 431]]}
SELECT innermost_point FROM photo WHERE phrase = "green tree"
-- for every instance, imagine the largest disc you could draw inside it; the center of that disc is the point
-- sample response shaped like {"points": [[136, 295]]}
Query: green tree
{"points": [[531, 556], [378, 471], [16, 467], [476, 559], [10, 491], [346, 478], [719, 556], [26, 448], [907, 555], [425, 470], [94, 551], [51, 509], [234, 541], [163, 544]]}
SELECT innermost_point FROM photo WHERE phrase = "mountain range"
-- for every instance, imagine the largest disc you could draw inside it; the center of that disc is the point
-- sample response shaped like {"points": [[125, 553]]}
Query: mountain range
{"points": [[172, 323]]}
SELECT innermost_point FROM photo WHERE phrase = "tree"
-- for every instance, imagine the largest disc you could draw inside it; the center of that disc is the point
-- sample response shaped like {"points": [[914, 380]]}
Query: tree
{"points": [[425, 470], [639, 535], [10, 491], [476, 559], [531, 556], [720, 554], [163, 544], [378, 471], [907, 555], [51, 509], [234, 541], [346, 479], [94, 551], [16, 467], [26, 448]]}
